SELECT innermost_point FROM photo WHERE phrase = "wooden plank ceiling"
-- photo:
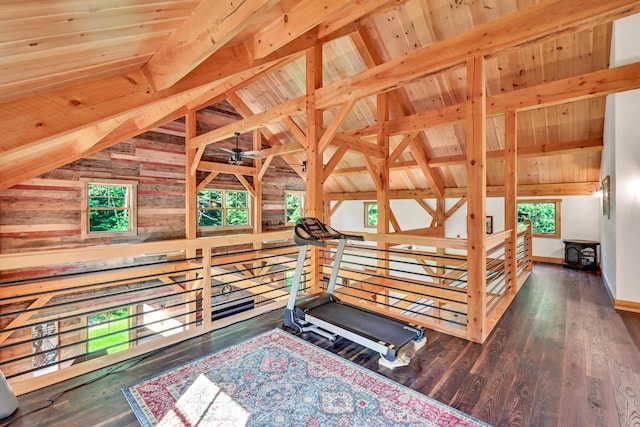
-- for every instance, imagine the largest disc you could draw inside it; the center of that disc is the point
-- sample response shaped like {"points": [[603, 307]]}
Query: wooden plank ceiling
{"points": [[79, 75]]}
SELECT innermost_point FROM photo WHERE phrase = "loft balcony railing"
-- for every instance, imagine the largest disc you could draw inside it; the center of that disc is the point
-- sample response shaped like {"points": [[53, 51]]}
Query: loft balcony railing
{"points": [[67, 312]]}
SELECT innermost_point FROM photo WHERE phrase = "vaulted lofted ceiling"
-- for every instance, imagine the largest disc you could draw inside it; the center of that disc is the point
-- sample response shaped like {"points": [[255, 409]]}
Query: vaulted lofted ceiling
{"points": [[77, 76]]}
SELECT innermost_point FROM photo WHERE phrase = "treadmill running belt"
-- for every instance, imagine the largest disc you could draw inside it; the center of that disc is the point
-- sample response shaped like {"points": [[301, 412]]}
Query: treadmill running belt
{"points": [[367, 323]]}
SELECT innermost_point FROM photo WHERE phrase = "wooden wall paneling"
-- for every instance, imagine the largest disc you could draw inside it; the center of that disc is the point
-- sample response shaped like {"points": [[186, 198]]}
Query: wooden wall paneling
{"points": [[476, 199]]}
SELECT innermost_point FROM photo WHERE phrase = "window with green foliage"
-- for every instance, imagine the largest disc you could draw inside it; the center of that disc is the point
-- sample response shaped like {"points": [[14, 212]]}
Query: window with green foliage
{"points": [[223, 208], [294, 207], [109, 208], [108, 331], [544, 216], [370, 214]]}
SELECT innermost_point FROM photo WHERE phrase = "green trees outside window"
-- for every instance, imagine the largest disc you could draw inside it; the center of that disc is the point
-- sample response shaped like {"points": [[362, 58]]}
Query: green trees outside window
{"points": [[294, 206], [109, 207], [109, 331], [370, 214], [544, 216], [223, 208]]}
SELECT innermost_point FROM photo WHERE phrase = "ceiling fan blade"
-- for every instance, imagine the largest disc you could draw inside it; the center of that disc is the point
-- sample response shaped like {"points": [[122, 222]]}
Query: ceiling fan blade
{"points": [[226, 149], [251, 153], [251, 157]]}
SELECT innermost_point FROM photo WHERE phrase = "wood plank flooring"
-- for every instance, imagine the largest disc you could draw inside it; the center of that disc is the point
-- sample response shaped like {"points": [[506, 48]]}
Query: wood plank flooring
{"points": [[561, 356]]}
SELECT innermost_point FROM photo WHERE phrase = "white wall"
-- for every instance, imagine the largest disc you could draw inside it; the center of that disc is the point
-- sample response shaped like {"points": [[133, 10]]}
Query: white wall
{"points": [[621, 161], [580, 217]]}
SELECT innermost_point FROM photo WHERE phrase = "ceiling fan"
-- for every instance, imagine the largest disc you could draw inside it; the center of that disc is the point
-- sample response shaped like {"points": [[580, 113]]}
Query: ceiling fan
{"points": [[236, 154]]}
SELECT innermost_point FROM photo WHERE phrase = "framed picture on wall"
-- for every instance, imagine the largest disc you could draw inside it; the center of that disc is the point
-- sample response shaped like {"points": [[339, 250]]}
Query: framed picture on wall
{"points": [[489, 224], [606, 197]]}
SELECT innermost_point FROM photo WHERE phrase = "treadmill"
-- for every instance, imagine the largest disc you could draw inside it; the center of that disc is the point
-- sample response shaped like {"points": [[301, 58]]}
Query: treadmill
{"points": [[325, 315]]}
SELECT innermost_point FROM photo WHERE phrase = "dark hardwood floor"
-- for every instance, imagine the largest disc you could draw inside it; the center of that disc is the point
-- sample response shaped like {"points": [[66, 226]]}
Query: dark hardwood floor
{"points": [[561, 356]]}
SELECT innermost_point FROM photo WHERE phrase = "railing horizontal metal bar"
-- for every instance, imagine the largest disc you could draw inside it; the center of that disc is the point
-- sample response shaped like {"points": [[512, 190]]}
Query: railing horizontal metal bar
{"points": [[262, 258], [444, 288], [349, 253], [428, 297], [411, 254], [94, 271], [84, 341], [403, 289], [338, 292], [400, 271], [69, 359], [109, 283], [93, 298], [88, 313]]}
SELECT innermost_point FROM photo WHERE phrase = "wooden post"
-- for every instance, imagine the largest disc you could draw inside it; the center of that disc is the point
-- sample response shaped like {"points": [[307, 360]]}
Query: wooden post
{"points": [[476, 199], [190, 178], [191, 210], [315, 172], [510, 200], [206, 287], [382, 195]]}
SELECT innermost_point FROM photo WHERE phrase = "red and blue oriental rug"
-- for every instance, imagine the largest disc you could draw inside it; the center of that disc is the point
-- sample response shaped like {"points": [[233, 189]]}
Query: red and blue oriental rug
{"points": [[277, 379]]}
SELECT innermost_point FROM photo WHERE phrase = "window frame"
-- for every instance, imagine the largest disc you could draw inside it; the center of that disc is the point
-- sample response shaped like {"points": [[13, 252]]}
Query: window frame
{"points": [[224, 210], [132, 208], [302, 195], [366, 216], [558, 216]]}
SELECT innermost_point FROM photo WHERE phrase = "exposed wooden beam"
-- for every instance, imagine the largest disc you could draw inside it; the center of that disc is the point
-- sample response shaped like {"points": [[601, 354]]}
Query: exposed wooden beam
{"points": [[335, 207], [426, 207], [359, 146], [333, 162], [337, 121], [279, 150], [373, 173], [484, 39], [453, 209], [264, 167], [211, 25], [548, 149], [203, 184], [295, 130], [537, 23], [271, 139], [226, 168], [527, 190], [590, 85], [294, 22], [423, 162], [408, 139], [354, 11], [246, 184], [263, 119]]}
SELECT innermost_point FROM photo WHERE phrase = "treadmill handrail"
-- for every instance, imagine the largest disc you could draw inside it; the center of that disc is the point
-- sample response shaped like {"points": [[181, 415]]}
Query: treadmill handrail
{"points": [[302, 235]]}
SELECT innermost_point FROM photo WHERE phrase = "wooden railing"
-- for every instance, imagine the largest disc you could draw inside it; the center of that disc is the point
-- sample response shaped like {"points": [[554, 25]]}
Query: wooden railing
{"points": [[52, 302]]}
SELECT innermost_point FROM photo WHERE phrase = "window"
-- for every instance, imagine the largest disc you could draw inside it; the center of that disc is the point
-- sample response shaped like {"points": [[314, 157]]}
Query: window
{"points": [[109, 331], [289, 275], [223, 208], [370, 214], [109, 208], [544, 216], [294, 207]]}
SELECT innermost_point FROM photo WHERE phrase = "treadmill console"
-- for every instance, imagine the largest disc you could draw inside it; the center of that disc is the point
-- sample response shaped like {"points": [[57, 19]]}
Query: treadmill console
{"points": [[310, 231]]}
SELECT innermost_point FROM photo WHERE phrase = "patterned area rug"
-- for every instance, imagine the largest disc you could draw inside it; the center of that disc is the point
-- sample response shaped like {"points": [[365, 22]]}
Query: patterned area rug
{"points": [[277, 379]]}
